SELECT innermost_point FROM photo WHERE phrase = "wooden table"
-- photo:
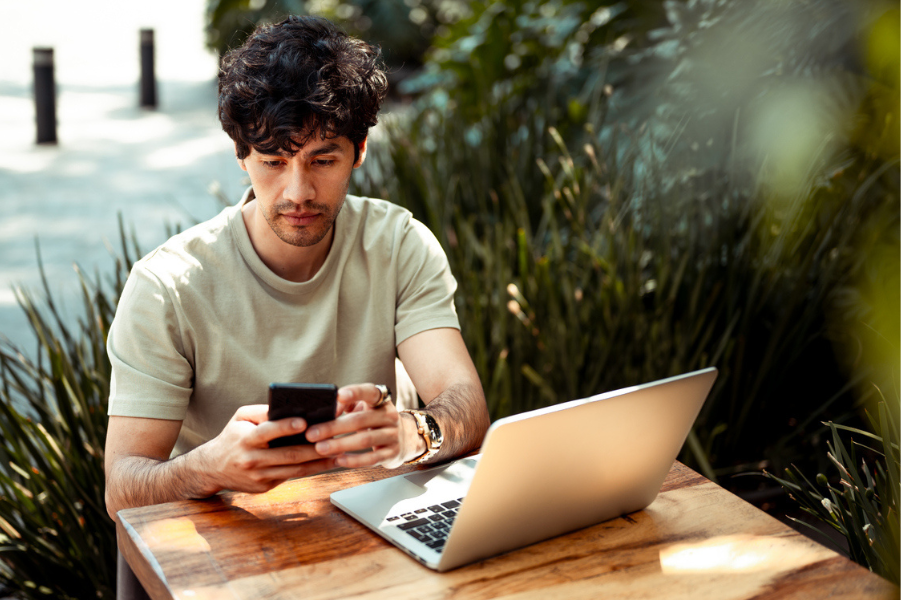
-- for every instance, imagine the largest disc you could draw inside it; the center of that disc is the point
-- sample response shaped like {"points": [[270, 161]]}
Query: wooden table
{"points": [[695, 541]]}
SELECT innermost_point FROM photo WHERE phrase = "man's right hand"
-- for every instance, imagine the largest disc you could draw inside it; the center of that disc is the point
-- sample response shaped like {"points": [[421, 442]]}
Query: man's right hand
{"points": [[242, 461], [139, 471]]}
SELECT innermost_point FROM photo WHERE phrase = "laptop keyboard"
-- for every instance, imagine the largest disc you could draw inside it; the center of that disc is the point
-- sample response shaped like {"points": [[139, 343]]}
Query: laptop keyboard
{"points": [[429, 525]]}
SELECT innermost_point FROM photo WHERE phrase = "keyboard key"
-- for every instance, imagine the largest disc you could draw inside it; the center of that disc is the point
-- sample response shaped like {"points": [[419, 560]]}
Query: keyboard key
{"points": [[412, 524], [421, 537], [436, 508], [420, 511], [436, 545], [451, 504], [436, 518], [390, 519]]}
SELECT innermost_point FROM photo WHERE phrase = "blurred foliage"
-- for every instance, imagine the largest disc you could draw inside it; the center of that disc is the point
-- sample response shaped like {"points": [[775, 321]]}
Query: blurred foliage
{"points": [[862, 504], [621, 180], [402, 29], [601, 289], [56, 538], [532, 56], [229, 22]]}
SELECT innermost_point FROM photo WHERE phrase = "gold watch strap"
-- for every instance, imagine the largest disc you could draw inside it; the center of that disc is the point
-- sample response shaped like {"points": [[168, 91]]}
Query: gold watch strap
{"points": [[422, 427]]}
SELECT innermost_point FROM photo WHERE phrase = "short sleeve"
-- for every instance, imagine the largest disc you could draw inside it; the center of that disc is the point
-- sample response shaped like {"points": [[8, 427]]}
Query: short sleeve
{"points": [[426, 286], [151, 376]]}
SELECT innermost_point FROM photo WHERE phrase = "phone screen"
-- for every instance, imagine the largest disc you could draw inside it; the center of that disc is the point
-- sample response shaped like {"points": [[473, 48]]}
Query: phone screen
{"points": [[314, 402]]}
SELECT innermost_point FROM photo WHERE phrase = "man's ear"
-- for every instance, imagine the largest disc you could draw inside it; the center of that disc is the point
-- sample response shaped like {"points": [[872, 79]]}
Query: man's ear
{"points": [[240, 160], [362, 156]]}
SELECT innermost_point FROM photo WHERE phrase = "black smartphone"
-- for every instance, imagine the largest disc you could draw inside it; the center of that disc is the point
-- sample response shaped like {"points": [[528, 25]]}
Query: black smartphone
{"points": [[313, 402]]}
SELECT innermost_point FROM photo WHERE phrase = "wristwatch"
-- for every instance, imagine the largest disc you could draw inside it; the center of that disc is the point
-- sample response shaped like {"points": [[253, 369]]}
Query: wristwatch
{"points": [[428, 428]]}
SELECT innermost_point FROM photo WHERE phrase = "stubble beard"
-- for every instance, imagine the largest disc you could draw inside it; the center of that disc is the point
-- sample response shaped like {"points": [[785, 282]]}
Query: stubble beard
{"points": [[302, 235]]}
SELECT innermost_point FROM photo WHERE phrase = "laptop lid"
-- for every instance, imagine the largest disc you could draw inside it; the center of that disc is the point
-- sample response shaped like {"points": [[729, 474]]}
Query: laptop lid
{"points": [[543, 473]]}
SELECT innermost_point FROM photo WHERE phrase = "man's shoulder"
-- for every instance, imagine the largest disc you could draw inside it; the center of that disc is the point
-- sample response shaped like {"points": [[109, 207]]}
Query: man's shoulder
{"points": [[380, 221], [374, 209], [385, 233], [194, 249]]}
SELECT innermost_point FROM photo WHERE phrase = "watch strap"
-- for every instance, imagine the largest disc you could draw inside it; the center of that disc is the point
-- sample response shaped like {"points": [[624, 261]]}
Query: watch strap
{"points": [[432, 446]]}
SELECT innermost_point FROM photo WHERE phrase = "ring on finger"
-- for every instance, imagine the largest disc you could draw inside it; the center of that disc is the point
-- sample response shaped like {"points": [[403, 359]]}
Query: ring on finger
{"points": [[384, 395]]}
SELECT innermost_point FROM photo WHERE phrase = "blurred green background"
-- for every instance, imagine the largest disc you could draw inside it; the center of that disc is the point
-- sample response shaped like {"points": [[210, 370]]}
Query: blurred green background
{"points": [[625, 192]]}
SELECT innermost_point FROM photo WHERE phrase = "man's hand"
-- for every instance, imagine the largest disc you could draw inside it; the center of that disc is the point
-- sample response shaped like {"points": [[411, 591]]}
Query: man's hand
{"points": [[446, 380], [381, 434], [139, 471], [240, 458]]}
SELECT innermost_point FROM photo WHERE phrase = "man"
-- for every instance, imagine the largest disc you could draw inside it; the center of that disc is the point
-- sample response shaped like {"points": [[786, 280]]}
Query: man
{"points": [[299, 282]]}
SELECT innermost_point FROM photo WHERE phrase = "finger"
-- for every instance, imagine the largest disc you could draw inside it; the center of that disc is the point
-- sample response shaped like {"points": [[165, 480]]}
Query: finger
{"points": [[270, 430], [362, 440], [266, 479], [344, 409], [367, 459], [292, 455], [349, 394], [255, 413], [363, 392], [352, 422]]}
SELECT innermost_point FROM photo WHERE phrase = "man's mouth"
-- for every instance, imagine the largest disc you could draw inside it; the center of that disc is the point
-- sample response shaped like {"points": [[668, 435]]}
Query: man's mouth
{"points": [[300, 219]]}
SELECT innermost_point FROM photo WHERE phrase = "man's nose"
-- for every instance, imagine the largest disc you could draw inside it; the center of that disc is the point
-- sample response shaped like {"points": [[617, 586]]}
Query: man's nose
{"points": [[299, 187]]}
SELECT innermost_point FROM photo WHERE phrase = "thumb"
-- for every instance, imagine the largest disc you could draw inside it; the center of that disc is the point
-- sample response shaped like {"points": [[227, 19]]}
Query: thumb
{"points": [[255, 413]]}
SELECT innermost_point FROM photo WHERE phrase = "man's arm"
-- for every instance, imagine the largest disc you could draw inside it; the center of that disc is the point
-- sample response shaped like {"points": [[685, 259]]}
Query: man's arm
{"points": [[139, 472], [442, 371], [445, 378]]}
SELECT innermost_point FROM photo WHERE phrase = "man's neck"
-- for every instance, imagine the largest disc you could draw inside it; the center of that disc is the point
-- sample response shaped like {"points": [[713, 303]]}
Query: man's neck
{"points": [[293, 263]]}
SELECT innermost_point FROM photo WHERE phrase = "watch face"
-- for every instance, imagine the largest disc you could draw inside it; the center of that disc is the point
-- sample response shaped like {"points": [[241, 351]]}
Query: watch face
{"points": [[434, 430]]}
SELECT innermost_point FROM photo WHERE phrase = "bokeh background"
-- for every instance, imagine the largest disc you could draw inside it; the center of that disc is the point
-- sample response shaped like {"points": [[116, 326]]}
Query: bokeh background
{"points": [[151, 166], [626, 191]]}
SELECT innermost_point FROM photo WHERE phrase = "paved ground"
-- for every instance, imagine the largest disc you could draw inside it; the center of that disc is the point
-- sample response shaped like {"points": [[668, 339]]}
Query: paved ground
{"points": [[153, 167]]}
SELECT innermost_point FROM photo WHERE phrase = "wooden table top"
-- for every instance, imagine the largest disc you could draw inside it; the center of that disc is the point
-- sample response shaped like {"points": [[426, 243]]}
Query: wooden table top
{"points": [[696, 540]]}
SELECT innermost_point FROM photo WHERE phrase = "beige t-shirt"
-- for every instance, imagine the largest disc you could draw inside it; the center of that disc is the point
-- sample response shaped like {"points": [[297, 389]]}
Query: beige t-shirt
{"points": [[203, 326]]}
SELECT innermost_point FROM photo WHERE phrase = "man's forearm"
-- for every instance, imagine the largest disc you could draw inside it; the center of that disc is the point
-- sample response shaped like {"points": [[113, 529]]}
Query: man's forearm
{"points": [[463, 416], [141, 481]]}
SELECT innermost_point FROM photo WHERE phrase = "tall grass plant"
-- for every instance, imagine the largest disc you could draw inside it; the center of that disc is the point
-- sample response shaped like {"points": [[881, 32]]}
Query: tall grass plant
{"points": [[600, 244], [575, 278], [56, 538], [861, 501]]}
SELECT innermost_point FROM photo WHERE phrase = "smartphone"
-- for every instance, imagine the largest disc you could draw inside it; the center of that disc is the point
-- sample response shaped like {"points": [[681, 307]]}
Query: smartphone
{"points": [[313, 402]]}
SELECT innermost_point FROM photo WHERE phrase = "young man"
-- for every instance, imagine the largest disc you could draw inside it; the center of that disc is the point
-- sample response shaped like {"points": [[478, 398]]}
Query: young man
{"points": [[297, 283]]}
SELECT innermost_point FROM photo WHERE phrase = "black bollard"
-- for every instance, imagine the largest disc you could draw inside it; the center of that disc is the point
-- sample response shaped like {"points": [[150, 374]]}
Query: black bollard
{"points": [[44, 96], [148, 77]]}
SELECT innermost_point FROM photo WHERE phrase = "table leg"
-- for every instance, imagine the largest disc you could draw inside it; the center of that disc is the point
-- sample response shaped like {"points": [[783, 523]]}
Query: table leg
{"points": [[127, 585]]}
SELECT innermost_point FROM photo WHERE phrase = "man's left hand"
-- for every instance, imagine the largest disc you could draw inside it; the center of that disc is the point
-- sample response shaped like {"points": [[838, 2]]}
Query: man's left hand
{"points": [[380, 434]]}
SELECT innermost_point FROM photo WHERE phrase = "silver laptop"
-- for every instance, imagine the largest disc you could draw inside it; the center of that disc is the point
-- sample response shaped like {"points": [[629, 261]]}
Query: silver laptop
{"points": [[540, 474]]}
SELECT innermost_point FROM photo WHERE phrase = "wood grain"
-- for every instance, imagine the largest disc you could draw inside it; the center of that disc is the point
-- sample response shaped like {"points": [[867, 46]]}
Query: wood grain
{"points": [[695, 541]]}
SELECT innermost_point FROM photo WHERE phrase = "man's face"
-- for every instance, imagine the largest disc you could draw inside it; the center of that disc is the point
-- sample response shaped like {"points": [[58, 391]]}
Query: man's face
{"points": [[300, 196]]}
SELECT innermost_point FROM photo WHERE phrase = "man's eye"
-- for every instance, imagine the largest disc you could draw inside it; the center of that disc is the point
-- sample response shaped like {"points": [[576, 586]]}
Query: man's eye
{"points": [[272, 164], [324, 162]]}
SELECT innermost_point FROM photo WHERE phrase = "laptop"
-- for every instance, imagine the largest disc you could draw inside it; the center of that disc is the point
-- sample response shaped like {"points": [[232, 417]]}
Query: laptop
{"points": [[540, 474]]}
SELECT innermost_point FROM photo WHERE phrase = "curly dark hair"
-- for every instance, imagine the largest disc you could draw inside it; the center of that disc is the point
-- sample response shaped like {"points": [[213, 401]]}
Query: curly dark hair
{"points": [[292, 80]]}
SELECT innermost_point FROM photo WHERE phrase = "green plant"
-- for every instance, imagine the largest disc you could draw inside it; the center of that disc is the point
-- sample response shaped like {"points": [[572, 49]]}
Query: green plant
{"points": [[574, 277], [863, 505], [631, 250], [56, 538], [402, 29]]}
